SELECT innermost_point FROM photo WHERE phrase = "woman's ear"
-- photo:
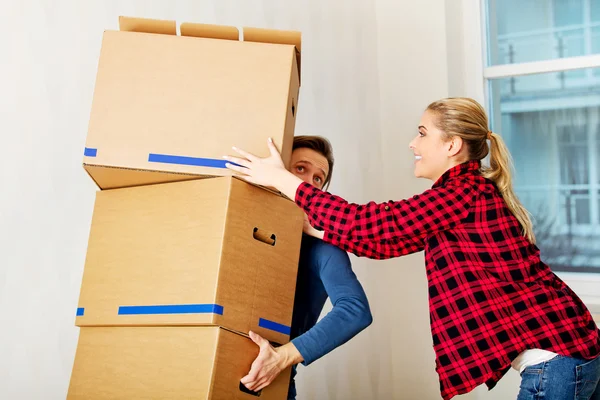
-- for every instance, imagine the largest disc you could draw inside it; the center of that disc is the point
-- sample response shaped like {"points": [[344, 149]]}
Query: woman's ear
{"points": [[456, 145]]}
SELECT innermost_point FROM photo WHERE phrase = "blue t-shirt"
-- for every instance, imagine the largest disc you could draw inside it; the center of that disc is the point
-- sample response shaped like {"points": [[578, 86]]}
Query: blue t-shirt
{"points": [[325, 271]]}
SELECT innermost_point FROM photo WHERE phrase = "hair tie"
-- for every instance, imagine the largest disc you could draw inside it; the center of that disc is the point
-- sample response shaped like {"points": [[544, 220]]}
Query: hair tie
{"points": [[489, 135]]}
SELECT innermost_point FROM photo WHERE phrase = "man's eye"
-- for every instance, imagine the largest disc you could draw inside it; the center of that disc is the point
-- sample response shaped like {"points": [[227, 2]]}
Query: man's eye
{"points": [[300, 169]]}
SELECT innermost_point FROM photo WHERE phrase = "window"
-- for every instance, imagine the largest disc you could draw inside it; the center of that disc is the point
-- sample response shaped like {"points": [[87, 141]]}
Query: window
{"points": [[535, 30], [541, 75]]}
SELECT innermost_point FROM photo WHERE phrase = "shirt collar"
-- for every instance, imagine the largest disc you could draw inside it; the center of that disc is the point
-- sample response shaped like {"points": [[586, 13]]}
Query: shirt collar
{"points": [[458, 170]]}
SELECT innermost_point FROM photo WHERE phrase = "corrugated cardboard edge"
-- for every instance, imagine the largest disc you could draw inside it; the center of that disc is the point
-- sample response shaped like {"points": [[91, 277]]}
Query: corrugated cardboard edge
{"points": [[209, 31], [164, 27], [291, 112], [188, 176], [222, 245], [254, 273], [215, 367], [275, 36], [192, 176], [85, 260], [90, 175], [267, 188]]}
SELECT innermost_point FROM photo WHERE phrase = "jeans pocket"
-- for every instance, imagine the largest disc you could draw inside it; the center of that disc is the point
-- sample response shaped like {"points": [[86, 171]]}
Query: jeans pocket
{"points": [[535, 369], [531, 380], [588, 376]]}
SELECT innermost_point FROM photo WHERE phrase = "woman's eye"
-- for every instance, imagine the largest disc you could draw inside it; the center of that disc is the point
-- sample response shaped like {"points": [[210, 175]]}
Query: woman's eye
{"points": [[318, 180]]}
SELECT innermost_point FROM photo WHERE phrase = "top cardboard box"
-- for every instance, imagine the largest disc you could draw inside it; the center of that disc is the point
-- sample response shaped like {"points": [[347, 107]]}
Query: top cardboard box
{"points": [[167, 107]]}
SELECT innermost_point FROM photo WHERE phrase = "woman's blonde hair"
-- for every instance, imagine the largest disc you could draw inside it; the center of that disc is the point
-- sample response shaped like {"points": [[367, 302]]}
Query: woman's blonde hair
{"points": [[467, 119]]}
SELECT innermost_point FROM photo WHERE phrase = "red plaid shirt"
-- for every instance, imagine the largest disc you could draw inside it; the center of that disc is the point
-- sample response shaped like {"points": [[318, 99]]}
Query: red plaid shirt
{"points": [[490, 295]]}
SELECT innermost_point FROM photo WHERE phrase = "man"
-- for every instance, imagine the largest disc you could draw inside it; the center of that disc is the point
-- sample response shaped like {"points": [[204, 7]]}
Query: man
{"points": [[324, 271]]}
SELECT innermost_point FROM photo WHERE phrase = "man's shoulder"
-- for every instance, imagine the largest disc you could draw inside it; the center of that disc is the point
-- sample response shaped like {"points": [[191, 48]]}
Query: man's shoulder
{"points": [[322, 253]]}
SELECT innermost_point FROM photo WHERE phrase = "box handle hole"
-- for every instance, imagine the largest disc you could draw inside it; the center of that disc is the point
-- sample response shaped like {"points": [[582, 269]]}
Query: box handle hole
{"points": [[244, 389], [264, 237]]}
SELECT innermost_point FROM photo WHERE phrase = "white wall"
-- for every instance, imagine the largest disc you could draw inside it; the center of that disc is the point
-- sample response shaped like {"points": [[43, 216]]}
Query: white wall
{"points": [[464, 38], [394, 358], [369, 69]]}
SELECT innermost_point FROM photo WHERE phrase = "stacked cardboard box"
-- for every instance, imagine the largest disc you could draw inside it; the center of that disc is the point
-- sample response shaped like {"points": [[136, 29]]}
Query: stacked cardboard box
{"points": [[179, 268]]}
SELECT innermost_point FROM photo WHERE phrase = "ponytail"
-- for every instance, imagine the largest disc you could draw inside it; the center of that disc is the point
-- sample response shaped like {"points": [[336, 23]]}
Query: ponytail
{"points": [[500, 172]]}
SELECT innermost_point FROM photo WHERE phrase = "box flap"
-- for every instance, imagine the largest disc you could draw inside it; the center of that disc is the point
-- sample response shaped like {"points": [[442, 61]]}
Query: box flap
{"points": [[278, 37], [210, 31], [273, 36], [107, 177], [147, 25]]}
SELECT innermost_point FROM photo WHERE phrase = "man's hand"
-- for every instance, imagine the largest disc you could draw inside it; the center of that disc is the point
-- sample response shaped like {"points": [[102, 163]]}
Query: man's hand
{"points": [[269, 363]]}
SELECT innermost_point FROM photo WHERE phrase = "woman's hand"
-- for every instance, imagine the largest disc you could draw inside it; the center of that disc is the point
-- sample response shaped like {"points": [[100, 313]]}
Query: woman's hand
{"points": [[269, 363], [310, 231], [268, 171]]}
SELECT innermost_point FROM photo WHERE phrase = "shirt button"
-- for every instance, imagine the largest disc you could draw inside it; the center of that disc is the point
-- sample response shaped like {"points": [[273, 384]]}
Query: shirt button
{"points": [[387, 208]]}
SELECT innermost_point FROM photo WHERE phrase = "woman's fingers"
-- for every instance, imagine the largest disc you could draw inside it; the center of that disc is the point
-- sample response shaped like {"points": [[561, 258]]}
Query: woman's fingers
{"points": [[272, 148], [239, 161], [237, 168], [247, 155]]}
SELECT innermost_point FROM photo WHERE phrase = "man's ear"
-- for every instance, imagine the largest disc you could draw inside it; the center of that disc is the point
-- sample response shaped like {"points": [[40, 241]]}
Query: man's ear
{"points": [[456, 145]]}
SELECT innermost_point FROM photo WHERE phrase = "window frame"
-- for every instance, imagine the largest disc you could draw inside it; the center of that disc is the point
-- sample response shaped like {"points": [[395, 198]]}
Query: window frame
{"points": [[477, 84]]}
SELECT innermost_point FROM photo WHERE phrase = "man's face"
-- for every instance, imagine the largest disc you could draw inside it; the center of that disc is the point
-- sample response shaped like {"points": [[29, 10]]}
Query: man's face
{"points": [[310, 166]]}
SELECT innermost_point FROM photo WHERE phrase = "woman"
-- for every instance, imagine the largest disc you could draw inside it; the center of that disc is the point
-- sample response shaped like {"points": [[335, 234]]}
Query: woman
{"points": [[492, 301]]}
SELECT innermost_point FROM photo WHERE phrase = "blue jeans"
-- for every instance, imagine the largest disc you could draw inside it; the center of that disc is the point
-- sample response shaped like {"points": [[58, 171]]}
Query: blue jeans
{"points": [[561, 378]]}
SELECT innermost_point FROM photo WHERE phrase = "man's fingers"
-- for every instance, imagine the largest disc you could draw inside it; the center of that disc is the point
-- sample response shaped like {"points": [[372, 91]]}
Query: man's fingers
{"points": [[259, 340], [253, 383], [261, 385], [250, 379]]}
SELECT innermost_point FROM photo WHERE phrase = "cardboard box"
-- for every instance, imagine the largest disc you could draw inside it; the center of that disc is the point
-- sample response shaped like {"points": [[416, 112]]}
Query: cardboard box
{"points": [[168, 107], [204, 252], [166, 363]]}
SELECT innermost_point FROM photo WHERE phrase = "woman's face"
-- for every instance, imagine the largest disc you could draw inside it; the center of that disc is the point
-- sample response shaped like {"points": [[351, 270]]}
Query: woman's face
{"points": [[433, 154]]}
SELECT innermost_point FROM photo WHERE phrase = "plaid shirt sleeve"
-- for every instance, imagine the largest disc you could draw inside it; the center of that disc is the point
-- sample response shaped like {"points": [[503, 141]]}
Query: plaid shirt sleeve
{"points": [[432, 211], [375, 250]]}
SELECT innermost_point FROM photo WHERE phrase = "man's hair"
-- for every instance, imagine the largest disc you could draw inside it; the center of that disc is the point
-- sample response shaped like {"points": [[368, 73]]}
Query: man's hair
{"points": [[321, 146]]}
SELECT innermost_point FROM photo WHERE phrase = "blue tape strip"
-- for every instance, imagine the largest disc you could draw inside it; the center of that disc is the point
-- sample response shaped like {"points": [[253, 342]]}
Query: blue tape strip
{"points": [[89, 152], [182, 160], [274, 326], [172, 309], [80, 311]]}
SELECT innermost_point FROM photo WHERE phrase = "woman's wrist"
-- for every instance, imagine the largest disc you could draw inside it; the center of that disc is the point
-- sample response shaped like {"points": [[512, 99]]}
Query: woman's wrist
{"points": [[287, 183]]}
